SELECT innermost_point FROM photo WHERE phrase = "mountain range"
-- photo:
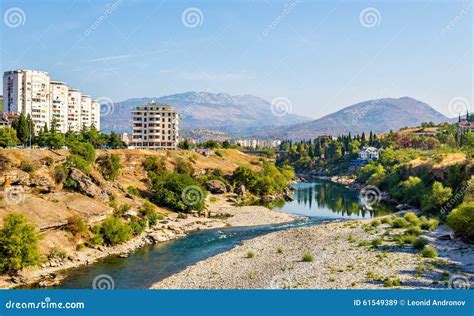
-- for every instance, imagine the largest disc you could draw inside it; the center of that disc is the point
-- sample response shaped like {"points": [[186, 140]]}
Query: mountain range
{"points": [[236, 115], [248, 115], [379, 116]]}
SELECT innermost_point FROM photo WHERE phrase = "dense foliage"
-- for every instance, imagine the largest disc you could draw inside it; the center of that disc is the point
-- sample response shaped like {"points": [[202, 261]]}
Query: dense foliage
{"points": [[18, 244]]}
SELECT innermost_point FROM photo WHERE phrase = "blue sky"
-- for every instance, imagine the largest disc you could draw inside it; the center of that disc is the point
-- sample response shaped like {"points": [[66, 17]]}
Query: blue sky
{"points": [[318, 54]]}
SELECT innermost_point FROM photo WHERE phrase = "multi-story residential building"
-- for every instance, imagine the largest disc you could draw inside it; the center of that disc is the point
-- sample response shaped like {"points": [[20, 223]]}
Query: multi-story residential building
{"points": [[28, 91], [33, 93], [95, 114], [155, 126], [59, 103], [74, 110], [86, 108]]}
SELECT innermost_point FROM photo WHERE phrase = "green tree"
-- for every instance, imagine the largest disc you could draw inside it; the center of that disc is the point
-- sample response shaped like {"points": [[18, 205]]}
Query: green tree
{"points": [[438, 197], [8, 137], [114, 231], [18, 244], [461, 220]]}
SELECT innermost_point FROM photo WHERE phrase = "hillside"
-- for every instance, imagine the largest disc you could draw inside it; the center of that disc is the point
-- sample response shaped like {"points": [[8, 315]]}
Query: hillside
{"points": [[379, 116], [236, 115], [48, 205]]}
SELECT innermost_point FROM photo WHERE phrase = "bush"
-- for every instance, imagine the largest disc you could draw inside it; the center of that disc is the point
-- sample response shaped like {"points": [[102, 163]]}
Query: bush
{"points": [[77, 162], [18, 244], [461, 221], [109, 166], [57, 253], [420, 243], [376, 223], [155, 166], [183, 167], [179, 192], [429, 252], [279, 250], [77, 226], [250, 254], [430, 224], [414, 230], [96, 240], [133, 191], [377, 242], [138, 225], [218, 153], [59, 174], [412, 218], [399, 222], [150, 214], [84, 150], [307, 257], [114, 232], [436, 198], [27, 166]]}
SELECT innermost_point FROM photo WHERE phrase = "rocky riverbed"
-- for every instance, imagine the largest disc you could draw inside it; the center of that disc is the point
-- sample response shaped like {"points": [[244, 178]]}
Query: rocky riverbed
{"points": [[334, 255]]}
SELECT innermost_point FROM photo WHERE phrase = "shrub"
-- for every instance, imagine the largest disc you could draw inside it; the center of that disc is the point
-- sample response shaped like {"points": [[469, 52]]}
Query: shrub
{"points": [[307, 257], [414, 230], [18, 244], [412, 218], [27, 166], [179, 192], [279, 250], [114, 232], [399, 222], [155, 166], [429, 252], [59, 174], [461, 221], [96, 240], [387, 220], [377, 242], [77, 162], [250, 254], [138, 225], [149, 212], [430, 224], [420, 243], [84, 150], [376, 223], [218, 153], [437, 197], [77, 226], [57, 253], [133, 191], [109, 166], [183, 167]]}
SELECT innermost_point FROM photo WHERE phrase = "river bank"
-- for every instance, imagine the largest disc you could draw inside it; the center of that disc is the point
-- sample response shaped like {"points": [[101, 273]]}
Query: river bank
{"points": [[338, 255], [222, 213]]}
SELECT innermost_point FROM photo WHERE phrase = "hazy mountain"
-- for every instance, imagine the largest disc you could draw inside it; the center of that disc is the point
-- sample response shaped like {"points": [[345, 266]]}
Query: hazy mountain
{"points": [[380, 116], [236, 115]]}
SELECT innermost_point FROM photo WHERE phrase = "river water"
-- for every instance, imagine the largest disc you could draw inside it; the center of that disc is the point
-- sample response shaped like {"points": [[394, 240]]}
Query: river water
{"points": [[317, 202]]}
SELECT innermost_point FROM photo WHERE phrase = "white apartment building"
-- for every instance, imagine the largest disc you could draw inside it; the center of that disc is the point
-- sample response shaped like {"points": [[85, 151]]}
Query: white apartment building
{"points": [[95, 114], [34, 93], [28, 91], [59, 99], [86, 107], [155, 126]]}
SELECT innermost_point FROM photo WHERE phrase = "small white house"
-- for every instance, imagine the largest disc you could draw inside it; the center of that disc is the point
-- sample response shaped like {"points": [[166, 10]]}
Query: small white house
{"points": [[369, 153]]}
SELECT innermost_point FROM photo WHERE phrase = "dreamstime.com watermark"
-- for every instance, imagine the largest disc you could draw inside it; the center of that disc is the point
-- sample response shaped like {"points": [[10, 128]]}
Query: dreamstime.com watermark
{"points": [[288, 7], [465, 11], [456, 197], [47, 303], [107, 12]]}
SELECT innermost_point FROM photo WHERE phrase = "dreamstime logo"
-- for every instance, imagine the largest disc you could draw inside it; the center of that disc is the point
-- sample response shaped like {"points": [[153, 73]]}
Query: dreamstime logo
{"points": [[192, 17], [192, 195], [14, 195], [459, 282], [280, 106], [14, 17], [107, 106], [455, 198], [370, 17], [103, 282], [459, 106], [369, 196], [288, 7]]}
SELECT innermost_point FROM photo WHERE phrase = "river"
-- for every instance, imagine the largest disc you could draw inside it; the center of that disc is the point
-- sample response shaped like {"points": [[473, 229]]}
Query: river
{"points": [[316, 202]]}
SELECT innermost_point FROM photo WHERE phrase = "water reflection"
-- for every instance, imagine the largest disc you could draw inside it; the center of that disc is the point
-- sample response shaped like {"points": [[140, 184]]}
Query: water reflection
{"points": [[329, 200]]}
